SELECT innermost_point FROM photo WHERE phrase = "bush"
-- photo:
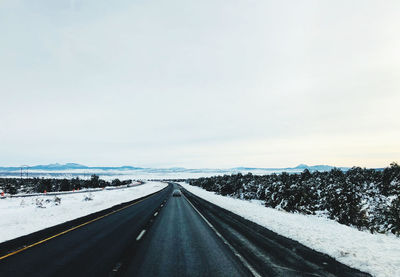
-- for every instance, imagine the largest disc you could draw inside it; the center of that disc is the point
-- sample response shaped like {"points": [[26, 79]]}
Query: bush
{"points": [[359, 197]]}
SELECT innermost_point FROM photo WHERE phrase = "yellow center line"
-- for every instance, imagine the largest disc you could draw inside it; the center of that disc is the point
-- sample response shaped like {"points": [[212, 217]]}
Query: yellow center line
{"points": [[71, 229]]}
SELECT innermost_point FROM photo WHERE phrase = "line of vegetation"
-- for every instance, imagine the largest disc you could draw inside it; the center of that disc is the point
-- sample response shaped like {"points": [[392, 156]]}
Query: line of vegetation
{"points": [[368, 199], [40, 185]]}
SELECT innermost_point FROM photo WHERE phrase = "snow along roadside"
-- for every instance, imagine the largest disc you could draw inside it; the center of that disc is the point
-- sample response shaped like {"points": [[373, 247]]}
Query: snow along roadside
{"points": [[376, 254], [22, 216]]}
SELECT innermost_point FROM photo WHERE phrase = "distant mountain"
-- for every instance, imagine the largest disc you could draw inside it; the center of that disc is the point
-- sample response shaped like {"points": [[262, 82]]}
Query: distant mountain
{"points": [[67, 166], [300, 167], [58, 166], [318, 167], [75, 166]]}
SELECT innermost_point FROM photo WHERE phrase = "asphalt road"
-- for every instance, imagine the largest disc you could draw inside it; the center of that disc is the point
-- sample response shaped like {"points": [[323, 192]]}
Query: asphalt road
{"points": [[177, 242], [165, 236], [180, 243]]}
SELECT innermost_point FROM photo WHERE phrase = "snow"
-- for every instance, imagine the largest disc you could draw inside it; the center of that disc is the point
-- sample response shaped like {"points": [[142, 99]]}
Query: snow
{"points": [[22, 216], [377, 254], [147, 173], [82, 190]]}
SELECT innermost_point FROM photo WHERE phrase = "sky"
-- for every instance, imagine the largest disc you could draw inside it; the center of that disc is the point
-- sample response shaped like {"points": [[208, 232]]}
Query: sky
{"points": [[207, 83]]}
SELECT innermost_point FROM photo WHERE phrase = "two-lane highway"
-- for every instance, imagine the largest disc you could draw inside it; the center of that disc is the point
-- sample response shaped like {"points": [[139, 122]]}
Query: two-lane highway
{"points": [[180, 243], [163, 235], [176, 242]]}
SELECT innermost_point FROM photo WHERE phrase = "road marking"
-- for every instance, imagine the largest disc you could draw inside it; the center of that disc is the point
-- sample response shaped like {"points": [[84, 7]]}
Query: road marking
{"points": [[243, 260], [141, 234], [156, 213], [71, 229]]}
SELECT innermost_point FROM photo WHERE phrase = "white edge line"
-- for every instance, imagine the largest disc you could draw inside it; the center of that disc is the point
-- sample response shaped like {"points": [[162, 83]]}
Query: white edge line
{"points": [[141, 234], [243, 260]]}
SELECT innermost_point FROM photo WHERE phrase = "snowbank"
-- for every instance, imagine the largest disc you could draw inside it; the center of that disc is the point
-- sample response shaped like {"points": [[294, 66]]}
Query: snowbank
{"points": [[22, 216], [376, 254]]}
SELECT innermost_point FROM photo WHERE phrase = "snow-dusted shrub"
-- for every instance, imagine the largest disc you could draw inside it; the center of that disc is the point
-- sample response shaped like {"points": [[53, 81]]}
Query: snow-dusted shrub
{"points": [[39, 203], [57, 200], [364, 198], [88, 197]]}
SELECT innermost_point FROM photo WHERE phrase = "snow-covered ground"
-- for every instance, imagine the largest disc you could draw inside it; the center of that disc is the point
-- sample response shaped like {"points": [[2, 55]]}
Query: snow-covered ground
{"points": [[147, 173], [376, 254], [22, 216], [83, 190]]}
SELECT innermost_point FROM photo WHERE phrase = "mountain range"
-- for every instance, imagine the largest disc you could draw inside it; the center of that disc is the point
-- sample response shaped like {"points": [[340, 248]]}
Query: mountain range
{"points": [[75, 166]]}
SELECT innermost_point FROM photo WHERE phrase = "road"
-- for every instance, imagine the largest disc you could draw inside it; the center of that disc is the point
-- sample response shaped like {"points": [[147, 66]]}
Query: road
{"points": [[180, 243], [161, 236]]}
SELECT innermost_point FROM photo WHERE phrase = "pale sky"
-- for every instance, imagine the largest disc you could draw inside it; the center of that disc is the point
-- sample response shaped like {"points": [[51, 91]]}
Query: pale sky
{"points": [[200, 83]]}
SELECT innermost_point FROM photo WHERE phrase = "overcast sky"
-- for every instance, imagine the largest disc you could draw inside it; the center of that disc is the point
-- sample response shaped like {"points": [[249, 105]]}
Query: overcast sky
{"points": [[200, 83]]}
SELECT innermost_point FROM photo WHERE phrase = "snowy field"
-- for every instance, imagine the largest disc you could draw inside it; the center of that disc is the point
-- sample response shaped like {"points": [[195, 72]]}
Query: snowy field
{"points": [[376, 254], [140, 174], [22, 216]]}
